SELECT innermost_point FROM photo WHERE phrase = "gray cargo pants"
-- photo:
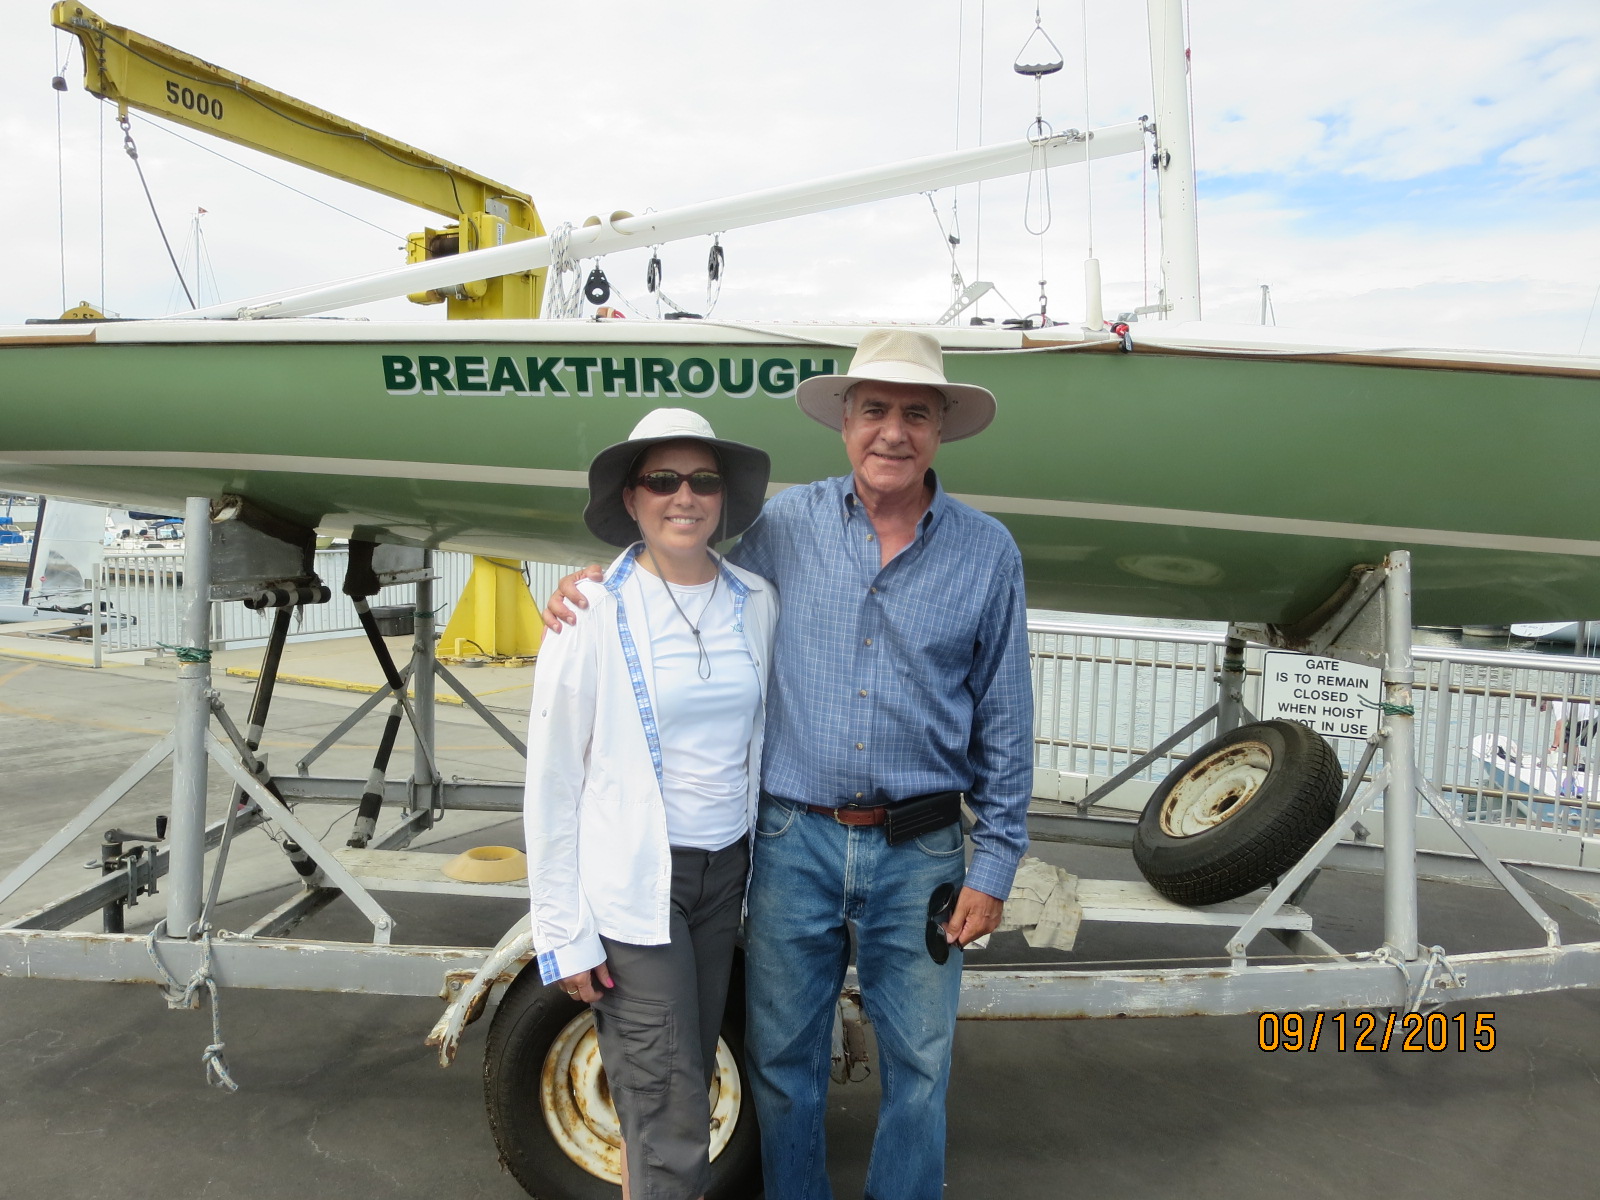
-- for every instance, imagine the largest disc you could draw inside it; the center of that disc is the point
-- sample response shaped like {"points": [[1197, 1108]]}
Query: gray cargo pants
{"points": [[658, 1026]]}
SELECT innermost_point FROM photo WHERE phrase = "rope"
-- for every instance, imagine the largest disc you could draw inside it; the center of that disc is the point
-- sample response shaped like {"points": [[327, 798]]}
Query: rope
{"points": [[187, 654], [1392, 710], [133, 153], [563, 291], [182, 995]]}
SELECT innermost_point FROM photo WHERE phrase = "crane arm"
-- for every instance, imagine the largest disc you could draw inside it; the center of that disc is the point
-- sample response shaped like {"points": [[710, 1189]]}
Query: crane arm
{"points": [[138, 72]]}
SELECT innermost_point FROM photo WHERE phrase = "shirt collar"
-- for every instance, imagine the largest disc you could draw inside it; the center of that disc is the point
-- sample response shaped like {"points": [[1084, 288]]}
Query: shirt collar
{"points": [[851, 505], [622, 567]]}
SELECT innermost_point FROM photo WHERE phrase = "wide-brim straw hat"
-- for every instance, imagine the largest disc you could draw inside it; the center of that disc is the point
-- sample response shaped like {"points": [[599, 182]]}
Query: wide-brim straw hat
{"points": [[744, 476], [899, 356]]}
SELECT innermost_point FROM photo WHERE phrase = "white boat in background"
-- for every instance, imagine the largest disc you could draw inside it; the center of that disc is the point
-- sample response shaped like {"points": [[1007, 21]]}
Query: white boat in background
{"points": [[67, 548], [1545, 791], [1564, 632]]}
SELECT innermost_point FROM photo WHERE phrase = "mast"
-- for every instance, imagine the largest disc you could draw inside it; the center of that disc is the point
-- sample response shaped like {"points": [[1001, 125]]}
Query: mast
{"points": [[1174, 161]]}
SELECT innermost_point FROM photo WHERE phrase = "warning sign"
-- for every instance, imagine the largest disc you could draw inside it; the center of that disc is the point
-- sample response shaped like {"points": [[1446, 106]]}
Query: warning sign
{"points": [[1336, 698]]}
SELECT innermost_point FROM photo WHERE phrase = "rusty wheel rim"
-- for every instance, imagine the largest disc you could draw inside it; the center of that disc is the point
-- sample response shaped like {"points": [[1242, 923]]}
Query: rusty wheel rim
{"points": [[1215, 789], [577, 1107]]}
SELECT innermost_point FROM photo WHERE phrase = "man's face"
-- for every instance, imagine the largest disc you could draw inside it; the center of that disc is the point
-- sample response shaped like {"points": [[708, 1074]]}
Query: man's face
{"points": [[891, 433]]}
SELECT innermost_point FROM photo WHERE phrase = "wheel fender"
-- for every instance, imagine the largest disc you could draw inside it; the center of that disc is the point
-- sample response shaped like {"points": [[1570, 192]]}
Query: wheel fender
{"points": [[513, 952]]}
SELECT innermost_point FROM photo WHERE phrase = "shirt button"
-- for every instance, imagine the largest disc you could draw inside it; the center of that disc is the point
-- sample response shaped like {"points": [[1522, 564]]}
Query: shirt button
{"points": [[869, 537], [874, 591], [863, 691], [859, 795], [869, 641], [861, 746]]}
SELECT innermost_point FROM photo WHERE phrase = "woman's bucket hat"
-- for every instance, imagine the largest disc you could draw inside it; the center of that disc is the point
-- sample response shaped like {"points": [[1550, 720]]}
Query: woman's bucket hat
{"points": [[744, 476]]}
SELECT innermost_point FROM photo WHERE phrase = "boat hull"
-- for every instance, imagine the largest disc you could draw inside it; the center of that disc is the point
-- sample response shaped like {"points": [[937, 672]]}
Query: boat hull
{"points": [[1156, 483]]}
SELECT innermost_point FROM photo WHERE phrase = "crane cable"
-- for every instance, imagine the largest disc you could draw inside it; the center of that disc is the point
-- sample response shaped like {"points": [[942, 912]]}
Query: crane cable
{"points": [[59, 83], [133, 153]]}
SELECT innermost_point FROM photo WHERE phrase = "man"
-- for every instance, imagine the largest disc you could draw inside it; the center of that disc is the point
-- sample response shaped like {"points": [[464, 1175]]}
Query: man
{"points": [[900, 687]]}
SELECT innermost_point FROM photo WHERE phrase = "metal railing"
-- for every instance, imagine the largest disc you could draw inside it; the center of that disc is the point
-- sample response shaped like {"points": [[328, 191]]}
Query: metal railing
{"points": [[1486, 727], [1103, 694], [143, 598]]}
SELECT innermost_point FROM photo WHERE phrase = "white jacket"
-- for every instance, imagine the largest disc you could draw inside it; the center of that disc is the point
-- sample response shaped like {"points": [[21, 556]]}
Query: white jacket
{"points": [[598, 859]]}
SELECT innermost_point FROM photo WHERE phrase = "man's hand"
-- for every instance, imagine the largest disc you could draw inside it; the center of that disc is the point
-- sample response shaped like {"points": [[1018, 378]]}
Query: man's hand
{"points": [[556, 613], [976, 914], [587, 986]]}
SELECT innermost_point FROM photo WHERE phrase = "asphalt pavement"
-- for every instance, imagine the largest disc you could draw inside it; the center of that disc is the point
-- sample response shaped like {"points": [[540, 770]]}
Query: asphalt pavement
{"points": [[102, 1092]]}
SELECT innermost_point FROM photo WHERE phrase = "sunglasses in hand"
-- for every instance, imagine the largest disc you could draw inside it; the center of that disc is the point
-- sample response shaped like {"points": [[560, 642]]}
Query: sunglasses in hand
{"points": [[941, 906], [667, 483]]}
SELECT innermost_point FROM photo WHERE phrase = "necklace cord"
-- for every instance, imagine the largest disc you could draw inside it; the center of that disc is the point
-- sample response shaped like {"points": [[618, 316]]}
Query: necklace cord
{"points": [[702, 659]]}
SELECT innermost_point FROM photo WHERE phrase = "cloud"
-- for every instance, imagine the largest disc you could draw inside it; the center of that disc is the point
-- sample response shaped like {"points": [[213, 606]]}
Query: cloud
{"points": [[1389, 164]]}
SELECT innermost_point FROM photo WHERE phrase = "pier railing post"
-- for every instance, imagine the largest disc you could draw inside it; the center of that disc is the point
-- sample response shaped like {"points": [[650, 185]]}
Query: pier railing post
{"points": [[1400, 759], [187, 836]]}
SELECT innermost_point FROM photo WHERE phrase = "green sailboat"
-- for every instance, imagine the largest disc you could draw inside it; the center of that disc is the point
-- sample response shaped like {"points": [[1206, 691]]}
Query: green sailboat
{"points": [[1189, 477]]}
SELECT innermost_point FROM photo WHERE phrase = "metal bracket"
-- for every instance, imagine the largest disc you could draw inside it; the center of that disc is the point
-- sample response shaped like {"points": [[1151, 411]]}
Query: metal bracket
{"points": [[1350, 624]]}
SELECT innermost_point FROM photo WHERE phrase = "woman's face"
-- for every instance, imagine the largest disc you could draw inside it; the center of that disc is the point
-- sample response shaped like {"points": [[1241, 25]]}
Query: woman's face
{"points": [[683, 521]]}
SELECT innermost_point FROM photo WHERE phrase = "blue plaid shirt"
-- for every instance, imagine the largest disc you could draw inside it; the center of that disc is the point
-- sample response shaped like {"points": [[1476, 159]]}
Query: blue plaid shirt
{"points": [[891, 682]]}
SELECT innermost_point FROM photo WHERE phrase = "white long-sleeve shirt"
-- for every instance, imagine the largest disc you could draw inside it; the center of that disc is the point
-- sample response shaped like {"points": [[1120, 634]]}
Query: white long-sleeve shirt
{"points": [[598, 857]]}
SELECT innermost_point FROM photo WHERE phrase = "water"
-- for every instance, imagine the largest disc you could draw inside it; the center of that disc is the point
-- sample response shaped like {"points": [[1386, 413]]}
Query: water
{"points": [[11, 587]]}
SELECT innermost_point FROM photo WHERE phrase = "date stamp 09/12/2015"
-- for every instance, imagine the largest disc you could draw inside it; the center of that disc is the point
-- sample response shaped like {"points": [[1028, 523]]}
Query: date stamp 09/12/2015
{"points": [[1364, 1031]]}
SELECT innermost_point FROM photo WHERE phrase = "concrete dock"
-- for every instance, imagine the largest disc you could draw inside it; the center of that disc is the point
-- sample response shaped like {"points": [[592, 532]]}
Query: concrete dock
{"points": [[101, 1090]]}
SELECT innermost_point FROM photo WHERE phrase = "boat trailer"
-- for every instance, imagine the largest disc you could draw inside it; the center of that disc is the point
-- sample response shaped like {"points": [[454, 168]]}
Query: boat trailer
{"points": [[253, 558]]}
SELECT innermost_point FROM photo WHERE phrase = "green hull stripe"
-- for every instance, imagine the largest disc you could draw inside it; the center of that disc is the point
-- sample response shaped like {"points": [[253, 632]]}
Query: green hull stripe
{"points": [[1019, 505], [1248, 523]]}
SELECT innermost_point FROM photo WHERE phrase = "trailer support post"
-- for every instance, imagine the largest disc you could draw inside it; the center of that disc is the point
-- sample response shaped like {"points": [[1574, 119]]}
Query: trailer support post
{"points": [[188, 824], [1400, 759]]}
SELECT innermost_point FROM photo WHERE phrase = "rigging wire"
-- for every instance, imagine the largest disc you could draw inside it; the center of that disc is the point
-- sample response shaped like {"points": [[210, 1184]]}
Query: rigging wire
{"points": [[983, 33], [1584, 340], [961, 48], [271, 179], [102, 111], [1088, 127], [133, 153], [958, 284]]}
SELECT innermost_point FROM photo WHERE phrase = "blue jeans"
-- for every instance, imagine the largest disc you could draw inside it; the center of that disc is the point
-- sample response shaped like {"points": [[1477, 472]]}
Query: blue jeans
{"points": [[810, 878]]}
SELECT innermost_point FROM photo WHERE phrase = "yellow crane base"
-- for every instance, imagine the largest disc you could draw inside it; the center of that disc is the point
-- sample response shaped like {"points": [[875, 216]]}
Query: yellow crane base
{"points": [[495, 621]]}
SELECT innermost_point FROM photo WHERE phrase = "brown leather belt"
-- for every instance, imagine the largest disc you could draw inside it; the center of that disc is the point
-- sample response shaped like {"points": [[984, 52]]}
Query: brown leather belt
{"points": [[851, 815]]}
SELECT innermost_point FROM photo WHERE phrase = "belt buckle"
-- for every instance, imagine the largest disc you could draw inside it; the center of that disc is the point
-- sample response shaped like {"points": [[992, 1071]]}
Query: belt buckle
{"points": [[838, 815]]}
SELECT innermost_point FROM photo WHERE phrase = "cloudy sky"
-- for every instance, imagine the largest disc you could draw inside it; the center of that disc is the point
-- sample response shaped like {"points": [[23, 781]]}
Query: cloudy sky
{"points": [[1409, 171]]}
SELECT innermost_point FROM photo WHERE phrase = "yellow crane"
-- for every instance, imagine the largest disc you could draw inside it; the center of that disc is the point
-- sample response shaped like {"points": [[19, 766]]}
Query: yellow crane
{"points": [[495, 615], [137, 72]]}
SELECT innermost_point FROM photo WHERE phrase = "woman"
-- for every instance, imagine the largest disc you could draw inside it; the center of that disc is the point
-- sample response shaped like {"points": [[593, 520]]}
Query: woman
{"points": [[644, 747]]}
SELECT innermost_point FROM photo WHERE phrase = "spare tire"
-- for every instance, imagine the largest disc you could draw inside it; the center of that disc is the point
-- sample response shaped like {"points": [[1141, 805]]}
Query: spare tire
{"points": [[1238, 812]]}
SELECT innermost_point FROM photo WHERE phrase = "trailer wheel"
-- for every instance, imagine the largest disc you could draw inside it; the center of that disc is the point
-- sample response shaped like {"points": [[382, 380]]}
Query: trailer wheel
{"points": [[1238, 812], [550, 1107]]}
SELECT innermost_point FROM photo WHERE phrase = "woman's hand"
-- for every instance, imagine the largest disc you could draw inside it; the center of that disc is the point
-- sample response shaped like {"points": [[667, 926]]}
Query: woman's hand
{"points": [[587, 986], [556, 612]]}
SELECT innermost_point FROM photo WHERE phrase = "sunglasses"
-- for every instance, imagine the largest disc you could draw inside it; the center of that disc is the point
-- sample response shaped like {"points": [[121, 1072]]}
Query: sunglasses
{"points": [[667, 483], [941, 905]]}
